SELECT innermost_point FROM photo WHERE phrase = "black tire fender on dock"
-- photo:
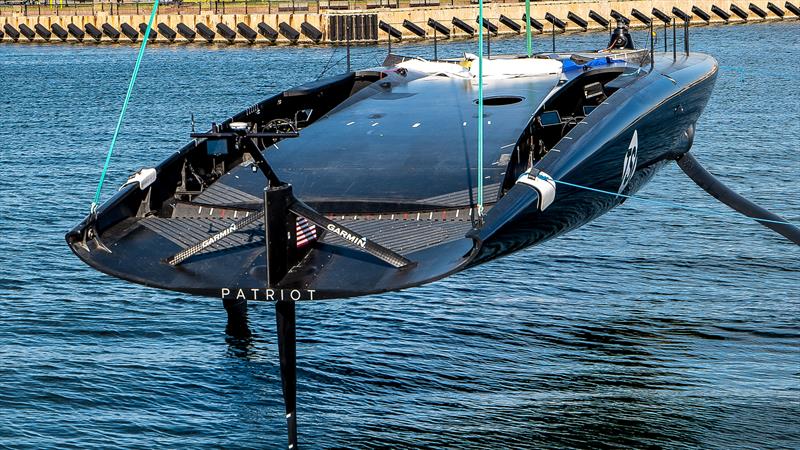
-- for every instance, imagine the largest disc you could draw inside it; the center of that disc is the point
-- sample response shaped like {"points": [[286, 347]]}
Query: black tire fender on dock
{"points": [[661, 15], [311, 32], [739, 12], [207, 33], [166, 31], [444, 31], [11, 32], [390, 30], [288, 32], [143, 30], [267, 31], [514, 26], [535, 24], [642, 17], [226, 32], [130, 32], [701, 14], [246, 32], [618, 16], [59, 31], [488, 25], [775, 9], [414, 28], [558, 23], [463, 26], [791, 7], [677, 12], [602, 21], [93, 31], [758, 11], [578, 20], [111, 32], [186, 32], [721, 13], [76, 32], [43, 32], [27, 31]]}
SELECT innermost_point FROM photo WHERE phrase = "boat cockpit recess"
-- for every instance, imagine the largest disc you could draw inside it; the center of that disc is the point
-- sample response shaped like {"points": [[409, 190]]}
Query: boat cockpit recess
{"points": [[569, 105]]}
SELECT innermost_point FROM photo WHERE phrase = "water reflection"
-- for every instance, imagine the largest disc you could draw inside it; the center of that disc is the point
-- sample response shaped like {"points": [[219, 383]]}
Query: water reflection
{"points": [[238, 335]]}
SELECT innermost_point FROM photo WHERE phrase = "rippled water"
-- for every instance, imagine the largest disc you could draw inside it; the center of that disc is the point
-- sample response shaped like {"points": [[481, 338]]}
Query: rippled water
{"points": [[654, 326]]}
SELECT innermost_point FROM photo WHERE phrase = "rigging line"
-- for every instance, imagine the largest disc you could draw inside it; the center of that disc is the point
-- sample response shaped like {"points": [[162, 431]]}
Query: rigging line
{"points": [[327, 64], [480, 109], [663, 202], [333, 65], [146, 38]]}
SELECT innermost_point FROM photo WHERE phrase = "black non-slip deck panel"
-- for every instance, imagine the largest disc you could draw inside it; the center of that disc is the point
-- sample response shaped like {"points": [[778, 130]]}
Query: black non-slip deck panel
{"points": [[188, 231], [462, 198], [404, 236], [401, 235], [219, 194]]}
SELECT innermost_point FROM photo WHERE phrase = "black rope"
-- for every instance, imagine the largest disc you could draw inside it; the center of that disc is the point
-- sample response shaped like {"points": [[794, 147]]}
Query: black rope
{"points": [[327, 65]]}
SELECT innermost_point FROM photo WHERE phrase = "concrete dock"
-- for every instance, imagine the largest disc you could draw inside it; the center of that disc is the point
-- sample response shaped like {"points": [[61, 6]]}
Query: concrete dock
{"points": [[329, 26]]}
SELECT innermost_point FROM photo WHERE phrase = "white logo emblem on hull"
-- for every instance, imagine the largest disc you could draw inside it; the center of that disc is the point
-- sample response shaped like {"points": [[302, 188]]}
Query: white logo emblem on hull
{"points": [[629, 165]]}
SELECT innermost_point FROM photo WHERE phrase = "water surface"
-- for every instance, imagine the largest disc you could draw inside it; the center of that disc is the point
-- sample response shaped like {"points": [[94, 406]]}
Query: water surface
{"points": [[654, 326]]}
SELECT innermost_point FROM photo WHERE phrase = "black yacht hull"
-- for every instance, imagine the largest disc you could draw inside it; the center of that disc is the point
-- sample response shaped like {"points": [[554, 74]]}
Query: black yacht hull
{"points": [[664, 123], [617, 148]]}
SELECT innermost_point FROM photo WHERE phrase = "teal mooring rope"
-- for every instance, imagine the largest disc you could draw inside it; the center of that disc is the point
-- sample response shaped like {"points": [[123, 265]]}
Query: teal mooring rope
{"points": [[528, 27], [662, 202], [146, 38], [480, 108]]}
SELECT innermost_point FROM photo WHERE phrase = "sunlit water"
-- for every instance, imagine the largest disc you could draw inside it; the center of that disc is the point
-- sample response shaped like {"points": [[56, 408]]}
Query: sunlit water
{"points": [[654, 326]]}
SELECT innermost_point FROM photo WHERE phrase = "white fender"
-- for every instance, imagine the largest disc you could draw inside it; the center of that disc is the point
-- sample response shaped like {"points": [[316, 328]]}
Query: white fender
{"points": [[543, 183], [145, 177]]}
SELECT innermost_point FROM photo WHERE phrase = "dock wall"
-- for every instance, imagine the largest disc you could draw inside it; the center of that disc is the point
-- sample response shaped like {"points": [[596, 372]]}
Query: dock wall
{"points": [[322, 21]]}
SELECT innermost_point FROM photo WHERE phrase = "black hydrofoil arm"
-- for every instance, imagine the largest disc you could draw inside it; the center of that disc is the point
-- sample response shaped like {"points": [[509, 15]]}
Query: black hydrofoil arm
{"points": [[287, 351], [718, 190]]}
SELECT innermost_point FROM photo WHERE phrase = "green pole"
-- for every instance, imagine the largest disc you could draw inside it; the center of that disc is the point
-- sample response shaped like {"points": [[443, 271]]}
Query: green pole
{"points": [[528, 27], [480, 109]]}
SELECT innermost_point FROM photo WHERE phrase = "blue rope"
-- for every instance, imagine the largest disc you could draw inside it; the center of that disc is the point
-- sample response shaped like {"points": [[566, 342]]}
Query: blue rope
{"points": [[124, 107], [658, 201]]}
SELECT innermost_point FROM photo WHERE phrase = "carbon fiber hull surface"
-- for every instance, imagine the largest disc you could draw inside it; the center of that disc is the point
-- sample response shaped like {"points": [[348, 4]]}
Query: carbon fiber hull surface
{"points": [[422, 211]]}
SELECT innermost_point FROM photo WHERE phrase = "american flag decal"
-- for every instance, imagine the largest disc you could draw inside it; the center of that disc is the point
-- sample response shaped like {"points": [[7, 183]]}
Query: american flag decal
{"points": [[306, 232]]}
